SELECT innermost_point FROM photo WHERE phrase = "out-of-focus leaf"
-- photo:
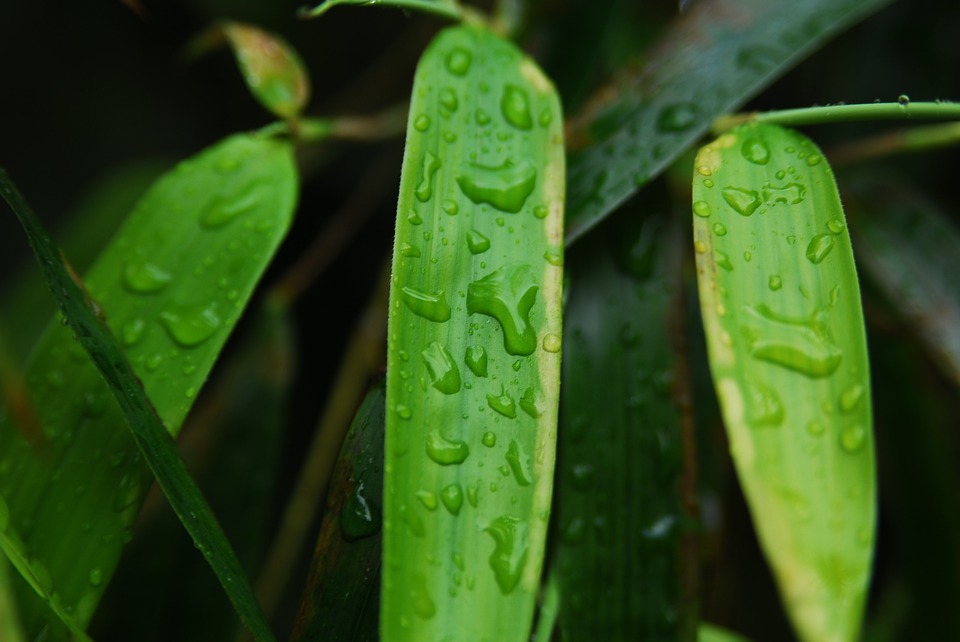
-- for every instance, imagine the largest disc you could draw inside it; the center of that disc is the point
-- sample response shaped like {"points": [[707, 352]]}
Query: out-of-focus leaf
{"points": [[446, 8], [342, 597], [713, 633], [912, 252], [473, 344], [781, 311], [10, 630], [617, 511], [714, 58], [172, 285]]}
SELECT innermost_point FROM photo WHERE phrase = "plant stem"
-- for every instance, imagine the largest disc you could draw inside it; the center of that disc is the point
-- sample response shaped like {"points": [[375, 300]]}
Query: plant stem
{"points": [[897, 142], [842, 114]]}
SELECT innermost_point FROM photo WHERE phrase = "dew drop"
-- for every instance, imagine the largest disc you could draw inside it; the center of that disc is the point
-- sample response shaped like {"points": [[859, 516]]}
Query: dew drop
{"points": [[432, 307], [546, 117], [144, 278], [448, 99], [764, 405], [850, 398], [429, 167], [409, 251], [554, 256], [836, 226], [489, 439], [790, 194], [506, 186], [428, 498], [755, 151], [552, 342], [477, 242], [819, 247], [775, 282], [423, 604], [446, 451], [359, 516], [95, 576], [815, 428], [528, 403], [699, 247], [220, 213], [404, 412], [482, 117], [190, 327], [701, 208], [852, 438], [677, 118], [719, 229], [132, 332], [520, 463], [723, 260], [799, 345], [476, 360], [515, 106], [443, 371], [541, 211], [510, 551], [450, 207], [743, 201], [452, 498], [458, 61], [507, 295], [421, 123], [503, 404], [814, 159]]}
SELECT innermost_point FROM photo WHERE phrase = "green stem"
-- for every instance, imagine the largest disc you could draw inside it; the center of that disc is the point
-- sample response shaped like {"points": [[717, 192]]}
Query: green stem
{"points": [[443, 8], [842, 114], [898, 142]]}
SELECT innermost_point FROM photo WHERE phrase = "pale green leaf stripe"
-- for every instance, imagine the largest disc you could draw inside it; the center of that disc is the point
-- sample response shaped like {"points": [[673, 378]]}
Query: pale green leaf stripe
{"points": [[712, 60], [912, 252], [445, 8], [473, 345], [781, 310], [172, 285]]}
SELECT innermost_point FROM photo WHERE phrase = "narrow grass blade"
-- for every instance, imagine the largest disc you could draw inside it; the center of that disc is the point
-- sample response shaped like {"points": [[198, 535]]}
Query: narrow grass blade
{"points": [[713, 633], [781, 310], [445, 8], [912, 253], [713, 59], [10, 630], [617, 511], [473, 344], [172, 285], [342, 600]]}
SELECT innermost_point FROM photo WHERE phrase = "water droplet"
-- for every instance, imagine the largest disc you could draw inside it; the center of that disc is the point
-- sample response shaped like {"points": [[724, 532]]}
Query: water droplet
{"points": [[816, 428], [448, 99], [551, 342], [413, 218], [721, 259], [850, 398], [814, 159], [507, 295], [743, 201], [790, 194], [775, 282], [359, 517], [428, 498], [703, 170], [503, 403], [450, 207], [420, 597], [482, 117], [719, 229], [506, 186], [541, 211], [432, 307], [476, 360], [528, 403], [819, 247], [836, 225], [222, 212], [516, 107], [708, 182], [904, 100], [128, 492], [852, 438], [677, 118], [510, 551], [421, 123], [95, 576], [554, 256], [443, 371], [472, 497], [546, 117], [477, 242], [458, 61], [191, 327], [144, 278], [489, 439], [701, 208], [404, 412], [446, 451], [429, 167], [452, 498], [764, 405], [409, 251], [755, 151], [803, 346], [520, 463], [699, 247]]}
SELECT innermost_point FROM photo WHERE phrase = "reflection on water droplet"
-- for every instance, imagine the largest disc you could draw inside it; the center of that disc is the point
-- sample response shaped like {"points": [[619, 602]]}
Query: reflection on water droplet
{"points": [[450, 207], [852, 438], [755, 151], [764, 405], [520, 463], [427, 170], [528, 403], [701, 208], [814, 159], [819, 247], [554, 256], [541, 211], [719, 229], [144, 278], [775, 282], [428, 498], [477, 242], [743, 201], [409, 251], [476, 360], [507, 295], [359, 517], [546, 117], [489, 439], [723, 260], [677, 118], [458, 61], [803, 346], [404, 412], [503, 403], [482, 117], [446, 451], [790, 194], [452, 498], [432, 307], [132, 332], [421, 123], [510, 551], [189, 327], [551, 342], [699, 247], [448, 99], [816, 428], [443, 371], [515, 106], [420, 597], [506, 186], [222, 212], [850, 398], [836, 225]]}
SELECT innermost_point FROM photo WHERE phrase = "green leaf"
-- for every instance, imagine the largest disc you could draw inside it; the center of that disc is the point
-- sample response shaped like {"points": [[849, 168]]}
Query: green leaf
{"points": [[172, 284], [713, 633], [473, 344], [781, 310], [342, 597], [709, 62], [617, 511], [10, 630], [445, 8]]}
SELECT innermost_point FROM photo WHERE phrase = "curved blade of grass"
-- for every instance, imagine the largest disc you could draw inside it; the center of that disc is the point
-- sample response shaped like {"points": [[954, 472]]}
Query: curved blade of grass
{"points": [[473, 344], [444, 8], [172, 284], [781, 311], [713, 59], [341, 600], [617, 510], [912, 252]]}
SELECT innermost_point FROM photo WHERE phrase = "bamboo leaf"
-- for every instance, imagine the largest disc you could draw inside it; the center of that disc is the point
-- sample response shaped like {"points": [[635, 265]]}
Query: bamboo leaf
{"points": [[781, 309], [172, 284], [617, 510], [445, 8], [473, 344], [710, 61]]}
